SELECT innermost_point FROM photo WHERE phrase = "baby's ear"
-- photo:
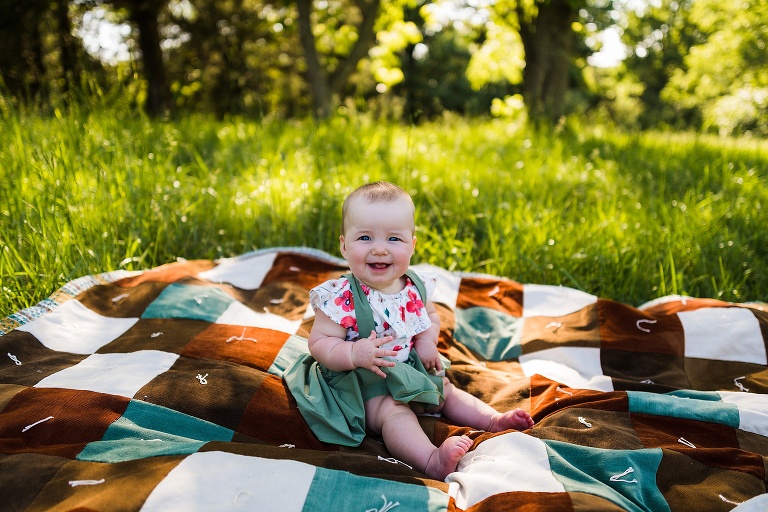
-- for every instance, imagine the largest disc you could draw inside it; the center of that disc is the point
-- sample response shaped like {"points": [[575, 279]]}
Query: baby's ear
{"points": [[414, 242], [342, 246]]}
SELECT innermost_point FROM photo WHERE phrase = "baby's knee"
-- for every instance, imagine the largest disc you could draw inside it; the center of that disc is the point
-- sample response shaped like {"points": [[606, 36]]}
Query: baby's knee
{"points": [[379, 409]]}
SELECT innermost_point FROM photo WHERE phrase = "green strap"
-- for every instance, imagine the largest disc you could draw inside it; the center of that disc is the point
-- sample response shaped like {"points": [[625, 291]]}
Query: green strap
{"points": [[363, 311]]}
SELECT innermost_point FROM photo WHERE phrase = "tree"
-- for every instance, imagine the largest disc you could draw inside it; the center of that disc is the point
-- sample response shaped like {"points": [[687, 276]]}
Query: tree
{"points": [[725, 74], [326, 80], [548, 33], [22, 62], [144, 14], [658, 38]]}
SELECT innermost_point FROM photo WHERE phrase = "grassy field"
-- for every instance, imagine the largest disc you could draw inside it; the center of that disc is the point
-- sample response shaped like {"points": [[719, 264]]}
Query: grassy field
{"points": [[629, 217]]}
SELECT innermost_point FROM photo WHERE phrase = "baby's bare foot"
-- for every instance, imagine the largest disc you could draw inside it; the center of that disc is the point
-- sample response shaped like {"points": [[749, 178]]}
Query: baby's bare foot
{"points": [[443, 460], [517, 419]]}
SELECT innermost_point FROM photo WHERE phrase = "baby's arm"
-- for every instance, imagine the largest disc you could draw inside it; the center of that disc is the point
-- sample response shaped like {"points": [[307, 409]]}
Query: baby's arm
{"points": [[328, 347], [425, 342]]}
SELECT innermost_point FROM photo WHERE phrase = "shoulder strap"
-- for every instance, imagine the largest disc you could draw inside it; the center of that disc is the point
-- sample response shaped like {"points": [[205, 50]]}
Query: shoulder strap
{"points": [[416, 280], [363, 312]]}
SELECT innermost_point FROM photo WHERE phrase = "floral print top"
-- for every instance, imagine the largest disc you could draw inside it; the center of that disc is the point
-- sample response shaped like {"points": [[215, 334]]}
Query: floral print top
{"points": [[402, 314]]}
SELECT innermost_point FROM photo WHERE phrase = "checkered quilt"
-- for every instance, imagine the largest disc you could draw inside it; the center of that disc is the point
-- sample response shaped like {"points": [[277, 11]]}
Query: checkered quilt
{"points": [[162, 390]]}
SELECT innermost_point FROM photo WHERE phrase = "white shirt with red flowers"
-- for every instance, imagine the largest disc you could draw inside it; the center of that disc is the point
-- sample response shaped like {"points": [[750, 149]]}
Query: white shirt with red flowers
{"points": [[402, 314]]}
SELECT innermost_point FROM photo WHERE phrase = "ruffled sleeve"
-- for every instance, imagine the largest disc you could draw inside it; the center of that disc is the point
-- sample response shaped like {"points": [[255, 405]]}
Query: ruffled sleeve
{"points": [[430, 283], [334, 298]]}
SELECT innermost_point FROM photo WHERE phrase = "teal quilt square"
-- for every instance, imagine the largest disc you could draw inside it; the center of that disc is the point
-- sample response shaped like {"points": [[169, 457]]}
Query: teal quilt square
{"points": [[624, 477], [492, 334], [148, 430], [189, 301], [340, 490]]}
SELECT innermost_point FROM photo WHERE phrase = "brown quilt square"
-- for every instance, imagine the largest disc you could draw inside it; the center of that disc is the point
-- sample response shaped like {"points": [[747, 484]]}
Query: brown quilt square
{"points": [[629, 329], [249, 346], [501, 295], [24, 475], [169, 273], [302, 270], [115, 301], [579, 329], [688, 484], [37, 361], [627, 369], [126, 485], [215, 391], [55, 421], [166, 334], [273, 417]]}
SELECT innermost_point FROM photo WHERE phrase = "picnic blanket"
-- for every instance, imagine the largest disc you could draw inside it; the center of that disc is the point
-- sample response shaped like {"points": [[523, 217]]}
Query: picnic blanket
{"points": [[162, 390]]}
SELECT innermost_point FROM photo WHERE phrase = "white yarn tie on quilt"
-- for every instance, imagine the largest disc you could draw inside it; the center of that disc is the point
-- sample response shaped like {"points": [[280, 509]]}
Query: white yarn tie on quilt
{"points": [[241, 337], [728, 501], [117, 299], [644, 321], [202, 379], [618, 478], [36, 423], [388, 505], [393, 460], [686, 442], [556, 325], [584, 421], [76, 483], [14, 359], [199, 299], [740, 385], [561, 390]]}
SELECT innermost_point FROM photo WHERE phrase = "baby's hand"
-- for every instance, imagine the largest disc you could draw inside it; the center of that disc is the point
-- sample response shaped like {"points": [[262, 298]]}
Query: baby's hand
{"points": [[428, 354], [366, 353]]}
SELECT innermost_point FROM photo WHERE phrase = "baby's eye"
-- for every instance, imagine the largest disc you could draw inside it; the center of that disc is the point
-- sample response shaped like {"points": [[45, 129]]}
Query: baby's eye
{"points": [[364, 238], [395, 239]]}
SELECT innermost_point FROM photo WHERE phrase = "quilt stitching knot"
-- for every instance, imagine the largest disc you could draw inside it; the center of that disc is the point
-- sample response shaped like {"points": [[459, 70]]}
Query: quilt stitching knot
{"points": [[645, 321], [618, 478], [388, 505]]}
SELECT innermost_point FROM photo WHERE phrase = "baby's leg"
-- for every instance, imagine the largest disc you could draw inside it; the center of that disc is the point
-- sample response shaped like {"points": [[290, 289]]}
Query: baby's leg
{"points": [[465, 409], [406, 440]]}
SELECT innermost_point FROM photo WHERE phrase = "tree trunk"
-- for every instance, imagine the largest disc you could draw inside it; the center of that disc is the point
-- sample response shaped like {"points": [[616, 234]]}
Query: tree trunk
{"points": [[548, 42], [322, 85], [145, 14], [68, 56]]}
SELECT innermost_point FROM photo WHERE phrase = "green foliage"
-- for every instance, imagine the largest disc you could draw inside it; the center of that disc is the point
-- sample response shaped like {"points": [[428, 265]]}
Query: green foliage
{"points": [[726, 75], [625, 216]]}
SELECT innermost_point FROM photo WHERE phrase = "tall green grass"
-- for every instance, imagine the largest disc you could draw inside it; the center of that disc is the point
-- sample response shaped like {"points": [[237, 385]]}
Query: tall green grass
{"points": [[625, 216]]}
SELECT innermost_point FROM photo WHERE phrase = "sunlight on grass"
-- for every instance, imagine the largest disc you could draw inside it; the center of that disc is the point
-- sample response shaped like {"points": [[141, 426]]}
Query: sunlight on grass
{"points": [[625, 216]]}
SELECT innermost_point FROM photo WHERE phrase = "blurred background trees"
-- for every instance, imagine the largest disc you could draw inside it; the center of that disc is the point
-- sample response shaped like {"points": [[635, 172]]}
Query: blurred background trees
{"points": [[687, 64]]}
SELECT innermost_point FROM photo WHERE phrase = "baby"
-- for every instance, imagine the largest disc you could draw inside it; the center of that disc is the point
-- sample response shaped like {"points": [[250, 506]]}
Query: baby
{"points": [[373, 359]]}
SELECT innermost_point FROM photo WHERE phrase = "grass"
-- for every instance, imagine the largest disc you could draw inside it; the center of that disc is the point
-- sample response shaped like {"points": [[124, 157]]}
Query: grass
{"points": [[625, 216]]}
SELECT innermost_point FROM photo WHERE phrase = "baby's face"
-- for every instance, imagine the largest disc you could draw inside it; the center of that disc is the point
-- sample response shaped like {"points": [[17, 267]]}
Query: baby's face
{"points": [[378, 242]]}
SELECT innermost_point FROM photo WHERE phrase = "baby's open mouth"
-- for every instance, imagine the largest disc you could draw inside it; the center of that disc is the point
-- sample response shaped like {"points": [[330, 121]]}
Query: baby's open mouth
{"points": [[378, 266]]}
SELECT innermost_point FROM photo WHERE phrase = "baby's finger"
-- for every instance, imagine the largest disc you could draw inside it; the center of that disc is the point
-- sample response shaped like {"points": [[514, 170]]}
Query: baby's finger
{"points": [[375, 369], [383, 362], [383, 340]]}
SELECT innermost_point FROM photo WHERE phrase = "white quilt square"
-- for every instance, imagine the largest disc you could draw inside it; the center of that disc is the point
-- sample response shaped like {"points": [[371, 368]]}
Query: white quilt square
{"points": [[239, 314], [494, 467], [218, 481], [74, 328], [723, 334], [115, 374], [245, 272], [447, 290], [576, 367], [547, 300]]}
